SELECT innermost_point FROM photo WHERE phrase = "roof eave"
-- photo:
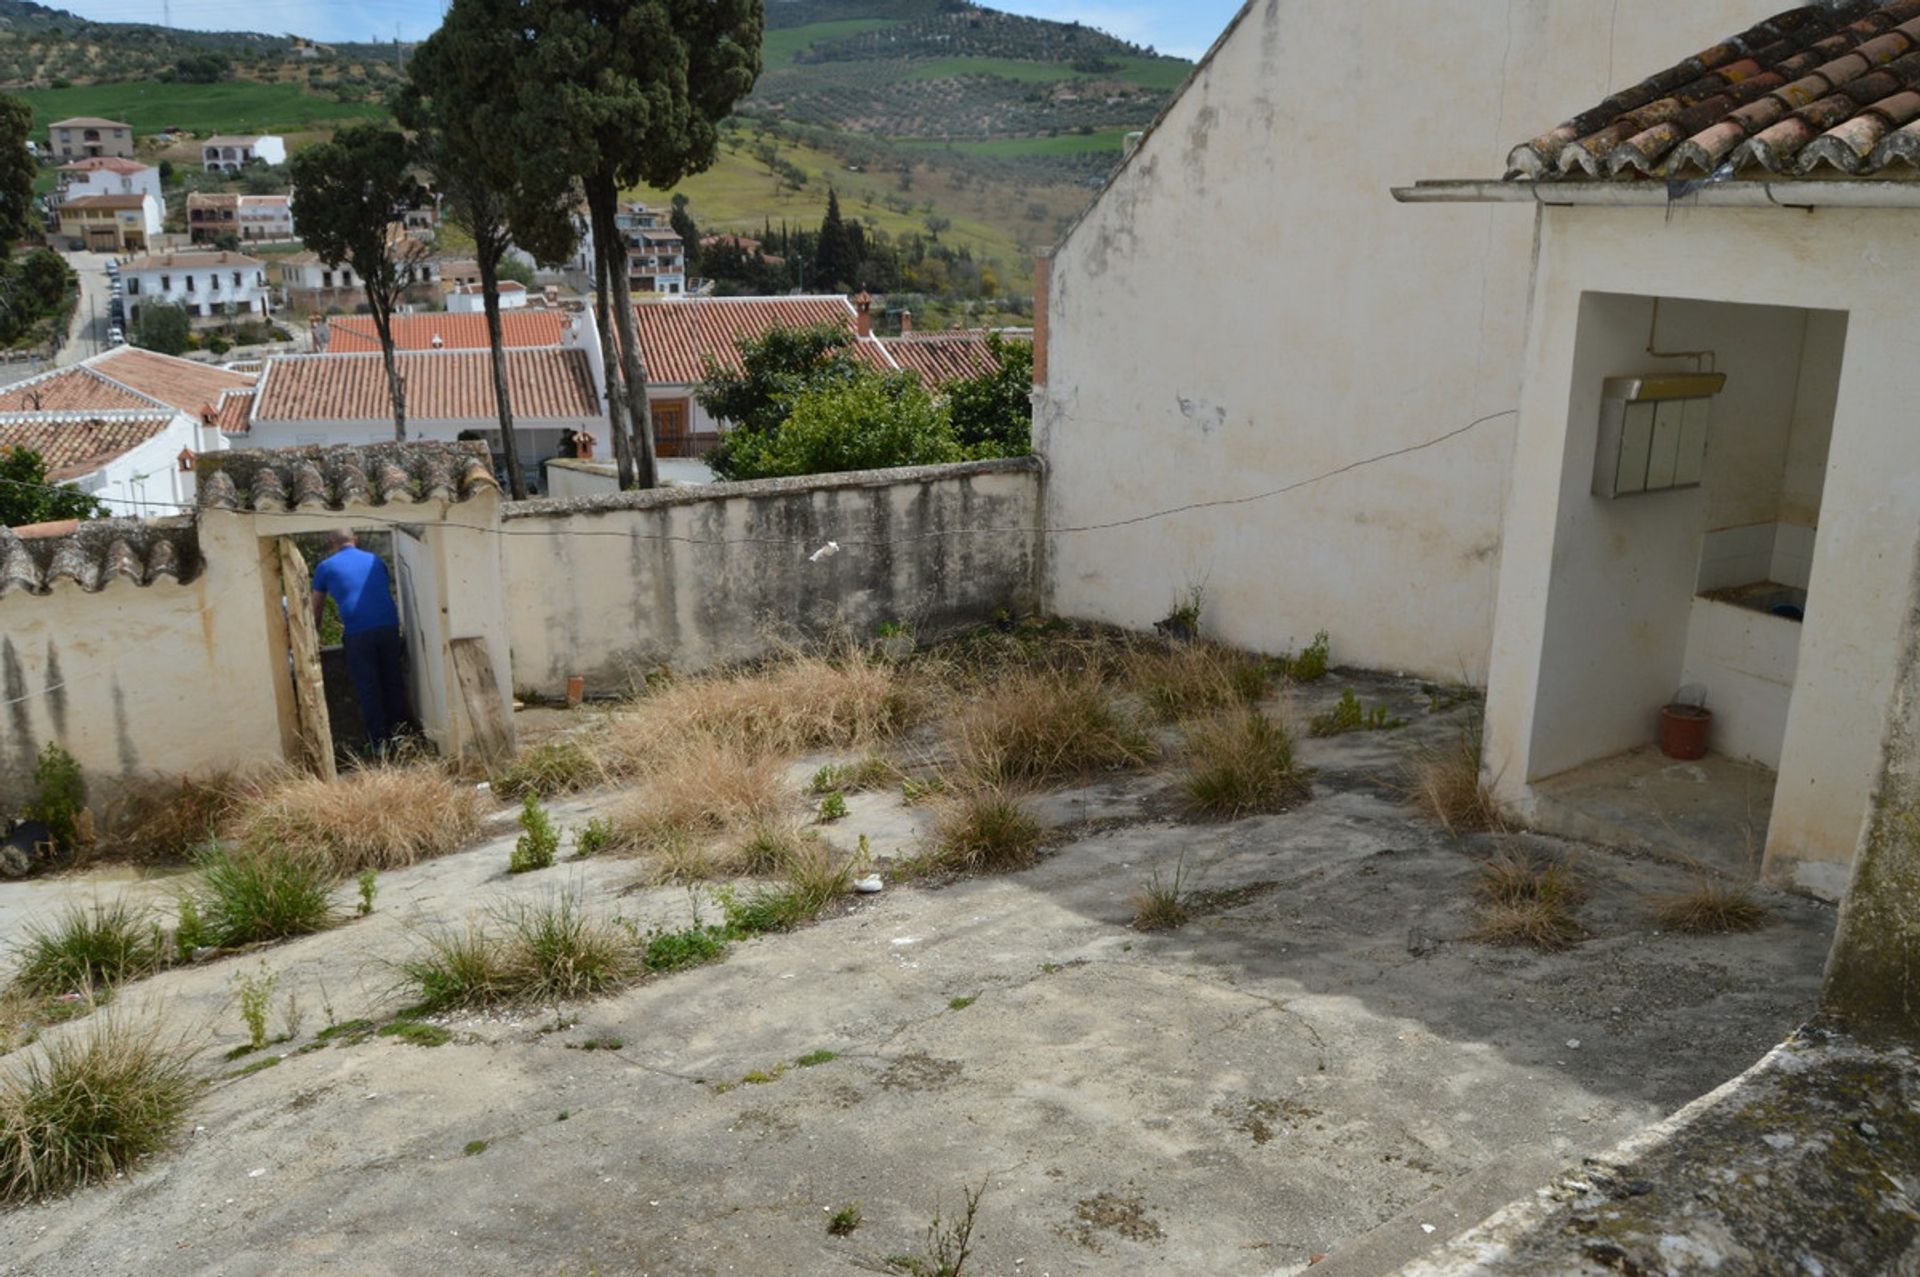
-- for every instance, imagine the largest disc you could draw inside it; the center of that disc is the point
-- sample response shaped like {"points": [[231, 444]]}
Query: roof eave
{"points": [[1738, 193]]}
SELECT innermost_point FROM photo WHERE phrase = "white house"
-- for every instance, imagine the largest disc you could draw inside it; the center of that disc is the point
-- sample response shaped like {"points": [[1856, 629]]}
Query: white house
{"points": [[313, 286], [1245, 315], [123, 426], [467, 299], [111, 175], [229, 153], [210, 286], [110, 223], [1711, 498], [212, 215]]}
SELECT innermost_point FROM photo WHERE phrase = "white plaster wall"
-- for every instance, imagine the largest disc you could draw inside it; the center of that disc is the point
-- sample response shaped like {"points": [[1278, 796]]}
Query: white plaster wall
{"points": [[1744, 660], [423, 614], [1860, 262], [147, 480], [1246, 307], [612, 587]]}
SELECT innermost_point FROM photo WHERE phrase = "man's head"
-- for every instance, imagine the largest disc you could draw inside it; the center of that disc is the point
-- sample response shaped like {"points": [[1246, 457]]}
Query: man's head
{"points": [[339, 539]]}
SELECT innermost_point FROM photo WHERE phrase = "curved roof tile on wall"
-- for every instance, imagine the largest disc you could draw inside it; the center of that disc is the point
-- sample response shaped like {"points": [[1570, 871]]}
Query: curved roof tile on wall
{"points": [[334, 477], [1826, 89], [99, 552], [352, 334], [441, 385]]}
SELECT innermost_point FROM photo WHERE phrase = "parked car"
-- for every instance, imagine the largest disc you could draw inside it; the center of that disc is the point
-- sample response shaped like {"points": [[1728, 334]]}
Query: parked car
{"points": [[115, 337]]}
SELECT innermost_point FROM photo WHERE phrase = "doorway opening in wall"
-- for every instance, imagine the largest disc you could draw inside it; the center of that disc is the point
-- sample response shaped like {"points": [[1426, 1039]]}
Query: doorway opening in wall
{"points": [[327, 699], [1683, 569]]}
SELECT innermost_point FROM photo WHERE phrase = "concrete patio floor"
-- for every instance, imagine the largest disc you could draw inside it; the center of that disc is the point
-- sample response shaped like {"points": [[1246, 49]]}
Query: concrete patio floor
{"points": [[1712, 812], [1318, 1064]]}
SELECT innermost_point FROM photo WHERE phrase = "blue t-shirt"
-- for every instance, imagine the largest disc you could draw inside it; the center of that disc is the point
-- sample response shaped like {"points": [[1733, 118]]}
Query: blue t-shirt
{"points": [[357, 583]]}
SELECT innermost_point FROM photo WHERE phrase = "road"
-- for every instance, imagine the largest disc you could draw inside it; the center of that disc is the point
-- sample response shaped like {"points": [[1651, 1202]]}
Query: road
{"points": [[88, 335]]}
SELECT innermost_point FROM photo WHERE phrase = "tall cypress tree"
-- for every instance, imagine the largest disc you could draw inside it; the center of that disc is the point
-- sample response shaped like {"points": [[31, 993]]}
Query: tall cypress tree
{"points": [[837, 257]]}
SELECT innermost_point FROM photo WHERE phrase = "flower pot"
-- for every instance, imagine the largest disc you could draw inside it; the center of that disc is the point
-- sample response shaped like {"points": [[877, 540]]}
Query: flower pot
{"points": [[1683, 731]]}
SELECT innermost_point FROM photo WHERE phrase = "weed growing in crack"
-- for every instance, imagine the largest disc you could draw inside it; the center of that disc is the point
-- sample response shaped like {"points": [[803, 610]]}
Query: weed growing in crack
{"points": [[1163, 903], [369, 886], [1312, 663], [535, 848], [254, 992], [1349, 715], [949, 1242], [833, 807], [844, 1221]]}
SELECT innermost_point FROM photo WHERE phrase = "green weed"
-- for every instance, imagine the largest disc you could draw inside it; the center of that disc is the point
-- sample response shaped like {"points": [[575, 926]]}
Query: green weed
{"points": [[90, 947], [536, 847]]}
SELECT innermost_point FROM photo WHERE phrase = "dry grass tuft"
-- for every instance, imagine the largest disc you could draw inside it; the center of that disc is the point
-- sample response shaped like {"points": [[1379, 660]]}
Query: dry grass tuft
{"points": [[1035, 726], [816, 873], [382, 817], [1239, 762], [554, 950], [91, 1105], [1447, 785], [1712, 907], [984, 829], [153, 820], [1527, 902], [1187, 680], [1163, 903], [705, 786], [841, 698]]}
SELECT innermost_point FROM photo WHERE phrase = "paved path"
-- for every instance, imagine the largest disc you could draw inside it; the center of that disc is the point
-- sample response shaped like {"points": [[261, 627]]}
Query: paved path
{"points": [[88, 333]]}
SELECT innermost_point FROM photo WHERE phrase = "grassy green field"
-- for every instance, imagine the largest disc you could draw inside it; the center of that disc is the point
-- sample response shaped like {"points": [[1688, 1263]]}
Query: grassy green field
{"points": [[1006, 147], [232, 107], [777, 48], [737, 194]]}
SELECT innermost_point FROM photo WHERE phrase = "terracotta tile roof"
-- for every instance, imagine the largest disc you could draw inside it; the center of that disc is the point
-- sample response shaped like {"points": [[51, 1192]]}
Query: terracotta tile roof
{"points": [[98, 552], [679, 335], [189, 261], [354, 333], [442, 385], [234, 413], [108, 163], [104, 201], [179, 383], [78, 387], [945, 356], [334, 477], [90, 122], [72, 445], [1830, 86]]}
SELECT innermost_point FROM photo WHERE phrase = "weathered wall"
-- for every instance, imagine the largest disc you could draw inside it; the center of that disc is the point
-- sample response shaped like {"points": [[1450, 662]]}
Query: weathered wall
{"points": [[611, 587], [1869, 508], [1246, 307]]}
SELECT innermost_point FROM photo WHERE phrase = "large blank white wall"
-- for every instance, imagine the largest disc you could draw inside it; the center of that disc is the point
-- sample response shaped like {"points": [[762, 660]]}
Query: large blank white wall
{"points": [[1246, 306]]}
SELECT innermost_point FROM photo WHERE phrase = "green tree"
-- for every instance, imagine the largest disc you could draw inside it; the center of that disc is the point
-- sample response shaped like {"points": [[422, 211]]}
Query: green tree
{"points": [[162, 327], [992, 411], [469, 139], [628, 93], [775, 370], [26, 496], [837, 258], [872, 422], [348, 193], [17, 171], [687, 229]]}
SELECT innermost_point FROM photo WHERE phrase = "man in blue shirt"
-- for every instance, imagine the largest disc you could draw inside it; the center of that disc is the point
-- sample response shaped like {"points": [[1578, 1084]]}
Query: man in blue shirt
{"points": [[358, 584]]}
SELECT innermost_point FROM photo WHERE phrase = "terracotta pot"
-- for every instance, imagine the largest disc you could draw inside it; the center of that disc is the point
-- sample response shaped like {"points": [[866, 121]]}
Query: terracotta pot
{"points": [[1683, 731]]}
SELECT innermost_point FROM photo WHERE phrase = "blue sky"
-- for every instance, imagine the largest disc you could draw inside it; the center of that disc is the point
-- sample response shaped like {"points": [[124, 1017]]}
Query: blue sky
{"points": [[1185, 27]]}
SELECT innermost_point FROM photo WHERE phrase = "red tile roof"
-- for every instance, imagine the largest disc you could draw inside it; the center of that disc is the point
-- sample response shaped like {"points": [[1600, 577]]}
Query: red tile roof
{"points": [[179, 383], [442, 385], [110, 163], [945, 356], [78, 387], [188, 261], [1833, 85], [679, 335], [104, 201], [234, 413], [355, 333], [73, 447]]}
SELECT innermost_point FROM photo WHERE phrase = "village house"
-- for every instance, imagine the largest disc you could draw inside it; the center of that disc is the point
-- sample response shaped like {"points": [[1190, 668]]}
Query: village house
{"points": [[111, 175], [123, 426], [212, 214], [110, 223], [225, 153], [1708, 497], [310, 286], [88, 137], [471, 299], [656, 258], [679, 337], [210, 287]]}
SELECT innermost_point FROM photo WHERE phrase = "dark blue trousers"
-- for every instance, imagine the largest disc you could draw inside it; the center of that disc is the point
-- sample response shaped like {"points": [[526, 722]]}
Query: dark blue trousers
{"points": [[373, 663]]}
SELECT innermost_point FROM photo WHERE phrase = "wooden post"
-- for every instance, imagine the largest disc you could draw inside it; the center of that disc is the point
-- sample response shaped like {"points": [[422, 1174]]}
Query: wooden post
{"points": [[487, 709], [309, 686]]}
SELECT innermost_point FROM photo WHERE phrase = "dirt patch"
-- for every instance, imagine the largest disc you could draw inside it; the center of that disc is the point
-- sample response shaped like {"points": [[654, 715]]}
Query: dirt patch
{"points": [[917, 1071], [1258, 1118], [1124, 1214]]}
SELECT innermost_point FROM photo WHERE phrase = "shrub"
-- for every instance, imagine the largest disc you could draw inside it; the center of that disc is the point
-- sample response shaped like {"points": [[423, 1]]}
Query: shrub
{"points": [[254, 992], [557, 766], [985, 829], [369, 884], [1523, 902], [249, 896], [593, 837], [677, 950], [1349, 715], [535, 848], [1311, 665], [1239, 762], [1035, 726], [60, 798], [1712, 907], [89, 948], [833, 807], [383, 817], [92, 1105]]}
